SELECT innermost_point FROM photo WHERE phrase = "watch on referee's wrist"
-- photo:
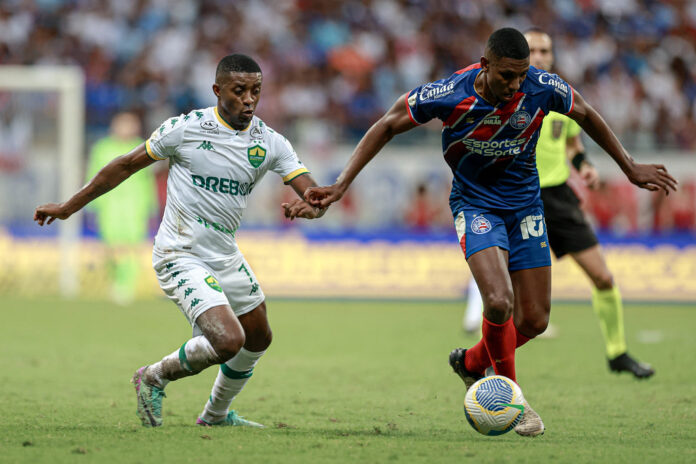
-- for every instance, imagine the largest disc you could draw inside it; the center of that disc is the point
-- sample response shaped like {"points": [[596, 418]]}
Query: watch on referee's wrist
{"points": [[578, 159]]}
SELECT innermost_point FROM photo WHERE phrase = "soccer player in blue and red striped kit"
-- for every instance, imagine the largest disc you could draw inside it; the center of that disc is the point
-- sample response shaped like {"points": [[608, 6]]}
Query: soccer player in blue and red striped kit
{"points": [[491, 113]]}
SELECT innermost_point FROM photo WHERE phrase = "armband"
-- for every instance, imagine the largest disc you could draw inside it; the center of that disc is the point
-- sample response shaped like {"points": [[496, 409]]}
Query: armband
{"points": [[578, 159]]}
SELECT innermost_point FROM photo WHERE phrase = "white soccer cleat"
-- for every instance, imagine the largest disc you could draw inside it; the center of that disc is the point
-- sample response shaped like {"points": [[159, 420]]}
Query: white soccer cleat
{"points": [[531, 424]]}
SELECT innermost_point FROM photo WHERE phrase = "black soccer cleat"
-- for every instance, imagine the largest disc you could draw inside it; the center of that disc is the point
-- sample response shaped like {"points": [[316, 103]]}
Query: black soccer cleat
{"points": [[456, 360], [625, 363]]}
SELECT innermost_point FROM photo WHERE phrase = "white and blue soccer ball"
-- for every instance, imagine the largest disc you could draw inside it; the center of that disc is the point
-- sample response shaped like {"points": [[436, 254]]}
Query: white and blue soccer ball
{"points": [[494, 405]]}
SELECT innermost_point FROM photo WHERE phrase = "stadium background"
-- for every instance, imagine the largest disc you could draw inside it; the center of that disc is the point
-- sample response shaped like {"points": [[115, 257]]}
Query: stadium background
{"points": [[330, 69]]}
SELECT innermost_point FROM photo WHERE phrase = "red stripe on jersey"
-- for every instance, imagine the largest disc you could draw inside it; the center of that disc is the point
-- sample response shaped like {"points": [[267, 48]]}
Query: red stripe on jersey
{"points": [[410, 115], [532, 127], [461, 108], [486, 131], [469, 68]]}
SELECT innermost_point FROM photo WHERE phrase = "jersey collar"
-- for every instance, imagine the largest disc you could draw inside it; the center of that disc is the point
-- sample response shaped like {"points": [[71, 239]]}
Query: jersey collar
{"points": [[224, 123]]}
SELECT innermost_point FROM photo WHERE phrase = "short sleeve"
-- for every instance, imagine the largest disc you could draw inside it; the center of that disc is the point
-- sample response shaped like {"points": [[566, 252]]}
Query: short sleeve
{"points": [[573, 129], [286, 163], [166, 139], [560, 93], [429, 101]]}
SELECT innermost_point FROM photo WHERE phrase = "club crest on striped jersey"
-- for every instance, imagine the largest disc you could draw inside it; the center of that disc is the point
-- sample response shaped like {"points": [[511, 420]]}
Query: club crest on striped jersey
{"points": [[256, 155], [520, 120], [480, 225]]}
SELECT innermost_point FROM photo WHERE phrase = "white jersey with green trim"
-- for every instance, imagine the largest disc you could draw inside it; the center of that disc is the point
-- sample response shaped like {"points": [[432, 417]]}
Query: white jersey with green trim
{"points": [[212, 170]]}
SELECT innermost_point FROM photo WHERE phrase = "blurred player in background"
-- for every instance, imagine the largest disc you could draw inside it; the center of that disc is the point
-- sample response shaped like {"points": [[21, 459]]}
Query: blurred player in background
{"points": [[216, 155], [491, 113], [568, 229], [123, 217]]}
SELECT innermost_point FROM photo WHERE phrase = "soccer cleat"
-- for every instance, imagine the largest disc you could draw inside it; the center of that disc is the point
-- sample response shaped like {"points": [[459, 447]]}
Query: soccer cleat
{"points": [[489, 371], [456, 360], [531, 424], [232, 419], [625, 363], [149, 399]]}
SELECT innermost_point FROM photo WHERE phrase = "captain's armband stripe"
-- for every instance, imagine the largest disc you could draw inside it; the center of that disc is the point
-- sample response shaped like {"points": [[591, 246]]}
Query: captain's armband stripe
{"points": [[295, 173], [148, 150]]}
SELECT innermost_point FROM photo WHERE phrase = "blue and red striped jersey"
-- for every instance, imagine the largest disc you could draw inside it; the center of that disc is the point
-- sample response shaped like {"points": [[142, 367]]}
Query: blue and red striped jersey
{"points": [[490, 149]]}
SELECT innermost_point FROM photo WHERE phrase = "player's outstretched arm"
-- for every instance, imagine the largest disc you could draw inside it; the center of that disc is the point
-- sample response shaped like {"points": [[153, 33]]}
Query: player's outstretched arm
{"points": [[647, 176], [106, 179], [299, 207], [394, 121]]}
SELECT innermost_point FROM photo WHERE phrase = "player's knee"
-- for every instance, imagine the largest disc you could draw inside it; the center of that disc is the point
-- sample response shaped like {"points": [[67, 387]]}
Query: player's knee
{"points": [[498, 307], [259, 339], [229, 345], [603, 281], [536, 325]]}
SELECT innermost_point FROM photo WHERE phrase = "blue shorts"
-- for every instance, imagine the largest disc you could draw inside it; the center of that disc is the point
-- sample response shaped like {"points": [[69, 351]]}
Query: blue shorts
{"points": [[522, 233]]}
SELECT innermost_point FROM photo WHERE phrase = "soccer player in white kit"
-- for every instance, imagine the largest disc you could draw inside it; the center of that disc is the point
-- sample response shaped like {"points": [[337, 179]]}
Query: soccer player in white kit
{"points": [[216, 156]]}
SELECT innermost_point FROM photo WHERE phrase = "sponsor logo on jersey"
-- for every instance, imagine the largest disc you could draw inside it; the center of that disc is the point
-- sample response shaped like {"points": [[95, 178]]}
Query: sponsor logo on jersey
{"points": [[481, 225], [532, 226], [215, 226], [520, 120], [497, 148], [553, 80], [434, 91], [256, 155], [222, 185], [492, 120], [210, 127], [205, 145], [256, 132], [213, 283]]}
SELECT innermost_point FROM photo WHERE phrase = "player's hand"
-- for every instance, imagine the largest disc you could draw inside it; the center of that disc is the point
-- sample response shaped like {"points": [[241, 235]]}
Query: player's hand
{"points": [[323, 196], [652, 177], [302, 209], [589, 175], [51, 211]]}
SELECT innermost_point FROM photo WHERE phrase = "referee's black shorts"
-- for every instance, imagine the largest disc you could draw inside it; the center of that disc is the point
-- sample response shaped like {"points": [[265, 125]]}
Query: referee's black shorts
{"points": [[566, 225]]}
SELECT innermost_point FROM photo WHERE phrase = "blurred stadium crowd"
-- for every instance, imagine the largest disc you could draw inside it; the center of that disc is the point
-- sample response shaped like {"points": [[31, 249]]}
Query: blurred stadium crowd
{"points": [[333, 67]]}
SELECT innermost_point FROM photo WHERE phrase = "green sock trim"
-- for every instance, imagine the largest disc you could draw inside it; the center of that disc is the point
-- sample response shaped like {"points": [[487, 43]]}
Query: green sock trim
{"points": [[235, 374], [608, 306], [182, 358]]}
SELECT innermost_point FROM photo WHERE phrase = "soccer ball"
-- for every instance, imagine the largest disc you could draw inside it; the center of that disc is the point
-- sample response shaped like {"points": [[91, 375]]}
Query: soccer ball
{"points": [[494, 405]]}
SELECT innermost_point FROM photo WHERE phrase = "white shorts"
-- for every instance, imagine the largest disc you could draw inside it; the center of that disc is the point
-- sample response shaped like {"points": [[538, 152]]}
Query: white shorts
{"points": [[196, 285]]}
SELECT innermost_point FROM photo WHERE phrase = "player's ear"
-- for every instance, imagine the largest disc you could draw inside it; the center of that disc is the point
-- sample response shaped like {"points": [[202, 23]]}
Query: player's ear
{"points": [[216, 89], [485, 63]]}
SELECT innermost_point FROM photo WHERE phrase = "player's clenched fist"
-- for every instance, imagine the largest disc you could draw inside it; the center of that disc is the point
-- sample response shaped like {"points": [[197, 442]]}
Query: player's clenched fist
{"points": [[323, 196], [50, 211]]}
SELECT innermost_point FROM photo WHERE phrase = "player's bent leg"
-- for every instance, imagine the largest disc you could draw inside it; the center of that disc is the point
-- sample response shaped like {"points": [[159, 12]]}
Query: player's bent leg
{"points": [[532, 308], [235, 373], [532, 289], [223, 338], [497, 345]]}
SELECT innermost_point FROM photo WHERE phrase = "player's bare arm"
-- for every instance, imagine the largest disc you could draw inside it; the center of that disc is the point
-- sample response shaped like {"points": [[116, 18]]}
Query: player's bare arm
{"points": [[299, 207], [648, 176], [394, 121], [109, 177]]}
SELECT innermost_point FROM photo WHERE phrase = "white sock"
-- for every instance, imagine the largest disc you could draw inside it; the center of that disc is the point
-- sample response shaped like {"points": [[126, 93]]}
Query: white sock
{"points": [[193, 356], [233, 375], [474, 308]]}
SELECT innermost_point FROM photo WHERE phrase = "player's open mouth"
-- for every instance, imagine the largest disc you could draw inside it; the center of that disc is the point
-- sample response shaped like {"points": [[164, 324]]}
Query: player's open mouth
{"points": [[248, 113]]}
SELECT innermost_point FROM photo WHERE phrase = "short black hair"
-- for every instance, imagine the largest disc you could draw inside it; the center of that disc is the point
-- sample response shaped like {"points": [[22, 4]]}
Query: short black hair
{"points": [[507, 43], [236, 63]]}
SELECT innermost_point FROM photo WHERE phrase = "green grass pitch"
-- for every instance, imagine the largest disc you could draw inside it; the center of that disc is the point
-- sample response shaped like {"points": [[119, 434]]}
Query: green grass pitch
{"points": [[342, 382]]}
